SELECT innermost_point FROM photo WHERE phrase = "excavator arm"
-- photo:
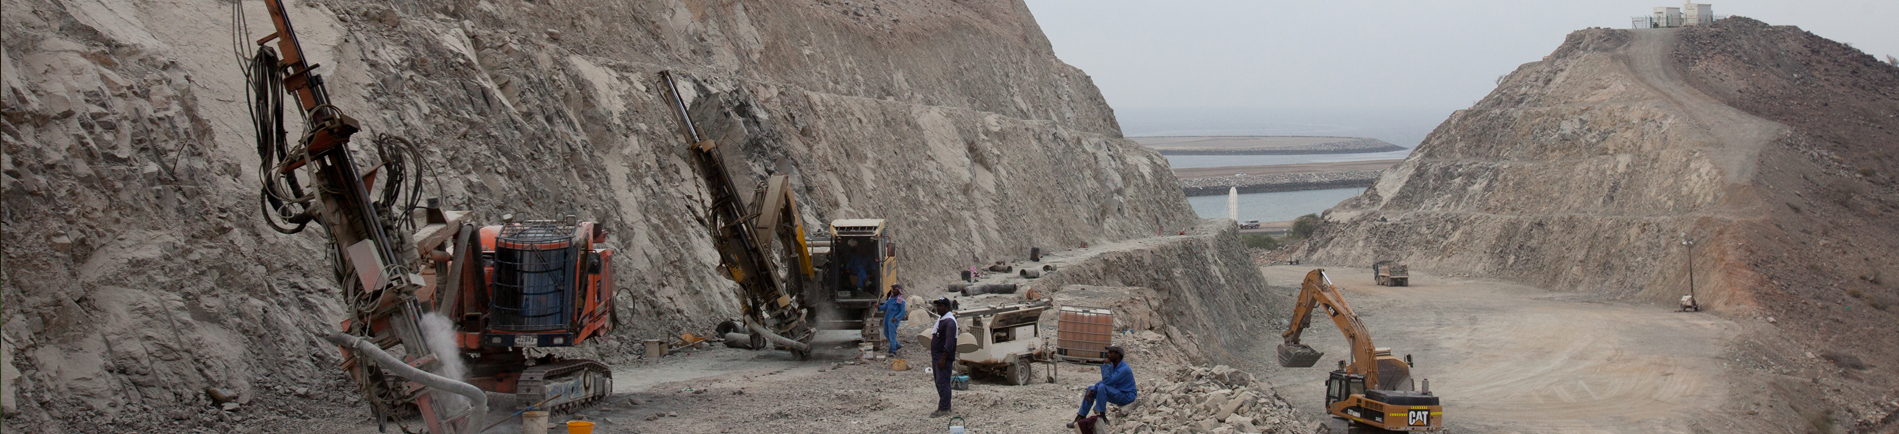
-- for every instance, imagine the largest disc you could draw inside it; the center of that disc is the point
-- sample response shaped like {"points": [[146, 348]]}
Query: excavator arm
{"points": [[1318, 294]]}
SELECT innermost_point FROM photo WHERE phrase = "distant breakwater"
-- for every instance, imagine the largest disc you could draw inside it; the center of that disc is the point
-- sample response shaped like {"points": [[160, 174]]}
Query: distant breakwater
{"points": [[1279, 182], [1341, 147]]}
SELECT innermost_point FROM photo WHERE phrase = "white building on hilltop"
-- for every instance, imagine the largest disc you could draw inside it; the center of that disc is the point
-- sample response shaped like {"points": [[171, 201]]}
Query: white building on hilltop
{"points": [[1689, 14]]}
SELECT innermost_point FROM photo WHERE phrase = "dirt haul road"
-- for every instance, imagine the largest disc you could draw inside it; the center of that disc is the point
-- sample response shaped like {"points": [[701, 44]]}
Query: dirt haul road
{"points": [[1511, 358]]}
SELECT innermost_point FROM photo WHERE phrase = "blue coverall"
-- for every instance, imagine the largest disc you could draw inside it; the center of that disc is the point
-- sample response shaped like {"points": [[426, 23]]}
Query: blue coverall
{"points": [[1116, 386], [893, 317], [860, 267]]}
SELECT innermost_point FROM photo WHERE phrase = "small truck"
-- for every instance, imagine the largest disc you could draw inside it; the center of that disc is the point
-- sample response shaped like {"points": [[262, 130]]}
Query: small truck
{"points": [[1391, 273]]}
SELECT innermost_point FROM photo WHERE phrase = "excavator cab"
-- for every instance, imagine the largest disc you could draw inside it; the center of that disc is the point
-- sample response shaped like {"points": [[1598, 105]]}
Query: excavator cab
{"points": [[1340, 386], [859, 268]]}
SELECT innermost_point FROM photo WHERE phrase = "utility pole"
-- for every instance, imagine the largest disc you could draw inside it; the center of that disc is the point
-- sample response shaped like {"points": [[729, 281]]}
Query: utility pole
{"points": [[1693, 303]]}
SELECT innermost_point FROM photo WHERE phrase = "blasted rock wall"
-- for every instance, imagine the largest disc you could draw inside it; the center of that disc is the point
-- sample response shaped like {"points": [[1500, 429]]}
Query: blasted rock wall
{"points": [[1208, 297], [137, 272]]}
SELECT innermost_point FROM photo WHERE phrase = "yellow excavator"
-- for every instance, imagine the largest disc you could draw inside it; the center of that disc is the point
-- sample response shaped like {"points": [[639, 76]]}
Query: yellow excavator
{"points": [[1375, 389]]}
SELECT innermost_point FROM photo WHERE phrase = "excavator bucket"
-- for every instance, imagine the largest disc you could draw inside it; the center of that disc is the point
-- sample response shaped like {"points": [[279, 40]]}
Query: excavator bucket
{"points": [[1298, 356]]}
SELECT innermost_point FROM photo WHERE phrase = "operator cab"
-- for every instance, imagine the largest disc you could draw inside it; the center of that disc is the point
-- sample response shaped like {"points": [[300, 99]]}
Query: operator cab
{"points": [[858, 268]]}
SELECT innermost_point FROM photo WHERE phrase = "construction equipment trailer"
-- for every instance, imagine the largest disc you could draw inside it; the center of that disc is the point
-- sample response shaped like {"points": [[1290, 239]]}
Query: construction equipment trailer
{"points": [[1003, 340], [424, 288], [1375, 388]]}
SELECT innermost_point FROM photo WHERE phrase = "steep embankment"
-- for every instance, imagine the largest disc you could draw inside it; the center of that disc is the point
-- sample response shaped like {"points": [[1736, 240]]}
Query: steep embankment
{"points": [[1826, 239], [1578, 171], [138, 274], [1769, 146]]}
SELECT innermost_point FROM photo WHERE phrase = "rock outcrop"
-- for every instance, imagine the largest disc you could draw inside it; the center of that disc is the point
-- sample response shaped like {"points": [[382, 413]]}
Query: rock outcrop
{"points": [[138, 274]]}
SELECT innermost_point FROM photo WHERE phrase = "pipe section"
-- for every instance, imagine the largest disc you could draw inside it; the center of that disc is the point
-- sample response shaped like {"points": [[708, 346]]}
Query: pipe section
{"points": [[476, 398], [780, 340]]}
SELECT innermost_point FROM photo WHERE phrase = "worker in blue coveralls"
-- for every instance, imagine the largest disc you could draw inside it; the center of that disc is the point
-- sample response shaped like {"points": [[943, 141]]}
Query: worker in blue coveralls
{"points": [[1116, 386], [893, 317], [859, 267]]}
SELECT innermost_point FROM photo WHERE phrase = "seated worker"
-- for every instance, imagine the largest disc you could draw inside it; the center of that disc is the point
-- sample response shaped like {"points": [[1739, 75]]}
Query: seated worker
{"points": [[893, 317], [859, 267], [1116, 386]]}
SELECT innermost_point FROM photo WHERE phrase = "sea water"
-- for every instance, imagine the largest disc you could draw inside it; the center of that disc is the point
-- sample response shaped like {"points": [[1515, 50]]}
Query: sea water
{"points": [[1199, 161], [1273, 207], [1402, 127], [1399, 126]]}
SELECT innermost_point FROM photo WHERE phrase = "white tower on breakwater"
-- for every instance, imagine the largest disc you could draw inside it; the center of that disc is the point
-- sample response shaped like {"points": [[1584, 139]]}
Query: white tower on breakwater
{"points": [[1233, 203]]}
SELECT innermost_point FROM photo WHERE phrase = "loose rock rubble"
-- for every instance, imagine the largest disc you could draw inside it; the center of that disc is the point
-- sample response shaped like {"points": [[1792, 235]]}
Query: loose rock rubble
{"points": [[1219, 399]]}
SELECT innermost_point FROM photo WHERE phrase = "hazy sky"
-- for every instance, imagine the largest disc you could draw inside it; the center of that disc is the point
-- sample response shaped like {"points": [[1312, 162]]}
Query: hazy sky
{"points": [[1436, 54]]}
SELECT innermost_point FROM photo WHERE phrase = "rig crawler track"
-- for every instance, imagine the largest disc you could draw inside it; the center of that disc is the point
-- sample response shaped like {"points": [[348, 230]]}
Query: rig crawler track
{"points": [[573, 383]]}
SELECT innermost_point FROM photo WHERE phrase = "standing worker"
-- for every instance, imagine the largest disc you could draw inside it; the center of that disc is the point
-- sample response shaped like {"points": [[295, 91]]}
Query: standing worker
{"points": [[893, 317], [1116, 386], [943, 354]]}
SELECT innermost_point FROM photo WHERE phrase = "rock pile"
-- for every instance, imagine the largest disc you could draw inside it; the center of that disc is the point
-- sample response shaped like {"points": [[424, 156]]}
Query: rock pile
{"points": [[1219, 399]]}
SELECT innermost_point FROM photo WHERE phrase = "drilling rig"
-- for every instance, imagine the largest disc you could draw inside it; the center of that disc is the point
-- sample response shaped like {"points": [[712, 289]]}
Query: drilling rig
{"points": [[761, 244], [424, 288]]}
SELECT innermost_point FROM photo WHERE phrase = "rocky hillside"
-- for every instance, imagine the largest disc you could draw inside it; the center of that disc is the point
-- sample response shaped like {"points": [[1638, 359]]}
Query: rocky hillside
{"points": [[1769, 146], [137, 272]]}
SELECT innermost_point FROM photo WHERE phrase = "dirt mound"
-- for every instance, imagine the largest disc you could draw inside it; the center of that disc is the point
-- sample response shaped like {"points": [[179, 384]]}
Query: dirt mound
{"points": [[1767, 145]]}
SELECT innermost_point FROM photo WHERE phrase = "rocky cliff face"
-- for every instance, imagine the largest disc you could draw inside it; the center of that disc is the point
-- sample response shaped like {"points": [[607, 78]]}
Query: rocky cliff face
{"points": [[137, 272], [1768, 145]]}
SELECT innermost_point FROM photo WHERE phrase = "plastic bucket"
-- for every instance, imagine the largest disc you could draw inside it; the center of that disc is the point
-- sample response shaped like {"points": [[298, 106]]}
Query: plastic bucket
{"points": [[534, 422], [579, 427]]}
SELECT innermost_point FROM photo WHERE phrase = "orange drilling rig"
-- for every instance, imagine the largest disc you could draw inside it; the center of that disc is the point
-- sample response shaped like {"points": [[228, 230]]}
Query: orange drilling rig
{"points": [[429, 295], [1375, 389]]}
